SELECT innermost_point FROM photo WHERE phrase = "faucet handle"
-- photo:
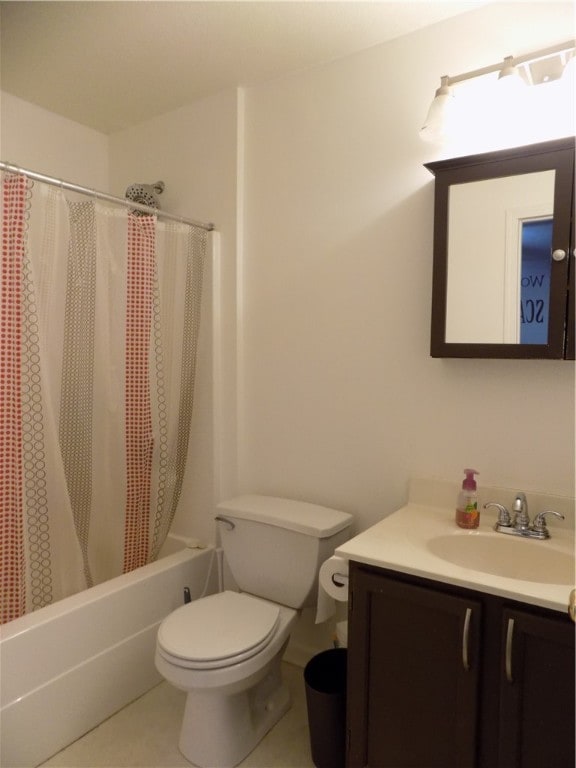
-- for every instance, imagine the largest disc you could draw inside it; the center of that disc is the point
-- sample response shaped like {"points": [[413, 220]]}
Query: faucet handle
{"points": [[540, 521], [503, 514]]}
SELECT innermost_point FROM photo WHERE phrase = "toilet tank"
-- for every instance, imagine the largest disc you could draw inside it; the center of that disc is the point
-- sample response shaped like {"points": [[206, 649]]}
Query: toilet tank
{"points": [[275, 547]]}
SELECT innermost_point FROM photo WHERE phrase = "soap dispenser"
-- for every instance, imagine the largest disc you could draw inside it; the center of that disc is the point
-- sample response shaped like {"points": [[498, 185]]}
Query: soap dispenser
{"points": [[467, 514]]}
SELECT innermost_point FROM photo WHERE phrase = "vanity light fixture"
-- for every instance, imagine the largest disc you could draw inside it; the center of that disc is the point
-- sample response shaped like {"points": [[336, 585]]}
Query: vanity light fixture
{"points": [[515, 72]]}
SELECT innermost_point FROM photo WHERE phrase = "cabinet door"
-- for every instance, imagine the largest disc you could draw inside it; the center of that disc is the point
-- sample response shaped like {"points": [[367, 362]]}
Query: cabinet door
{"points": [[537, 692], [413, 675]]}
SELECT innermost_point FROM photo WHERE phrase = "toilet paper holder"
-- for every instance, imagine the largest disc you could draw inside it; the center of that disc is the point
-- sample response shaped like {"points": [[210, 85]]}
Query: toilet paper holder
{"points": [[339, 579]]}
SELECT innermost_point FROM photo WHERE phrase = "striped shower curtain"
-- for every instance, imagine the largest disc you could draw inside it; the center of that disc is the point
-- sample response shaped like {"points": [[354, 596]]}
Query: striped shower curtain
{"points": [[99, 320]]}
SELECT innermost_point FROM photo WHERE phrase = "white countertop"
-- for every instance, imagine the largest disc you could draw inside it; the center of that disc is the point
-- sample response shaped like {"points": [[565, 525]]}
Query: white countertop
{"points": [[401, 542]]}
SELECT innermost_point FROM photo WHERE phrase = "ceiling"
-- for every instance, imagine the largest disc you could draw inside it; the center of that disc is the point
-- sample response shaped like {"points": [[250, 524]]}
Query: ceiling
{"points": [[110, 65]]}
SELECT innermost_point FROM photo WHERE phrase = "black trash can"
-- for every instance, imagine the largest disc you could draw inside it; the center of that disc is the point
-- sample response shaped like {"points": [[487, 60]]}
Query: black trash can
{"points": [[325, 678]]}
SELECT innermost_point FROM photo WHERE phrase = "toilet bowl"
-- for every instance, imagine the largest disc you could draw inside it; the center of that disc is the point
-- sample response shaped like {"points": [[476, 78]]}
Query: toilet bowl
{"points": [[234, 686], [225, 650]]}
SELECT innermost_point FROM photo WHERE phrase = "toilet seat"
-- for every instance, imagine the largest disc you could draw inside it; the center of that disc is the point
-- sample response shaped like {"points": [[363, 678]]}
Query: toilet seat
{"points": [[217, 631]]}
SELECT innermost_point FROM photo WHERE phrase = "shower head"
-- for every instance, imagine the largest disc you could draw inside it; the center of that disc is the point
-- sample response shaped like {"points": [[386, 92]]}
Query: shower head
{"points": [[145, 194]]}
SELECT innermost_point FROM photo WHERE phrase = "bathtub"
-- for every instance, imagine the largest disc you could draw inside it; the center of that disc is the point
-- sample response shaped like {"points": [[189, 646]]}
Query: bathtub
{"points": [[67, 667]]}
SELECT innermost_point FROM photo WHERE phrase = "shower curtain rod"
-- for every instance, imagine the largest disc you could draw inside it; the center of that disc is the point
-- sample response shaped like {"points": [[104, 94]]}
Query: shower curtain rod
{"points": [[100, 195]]}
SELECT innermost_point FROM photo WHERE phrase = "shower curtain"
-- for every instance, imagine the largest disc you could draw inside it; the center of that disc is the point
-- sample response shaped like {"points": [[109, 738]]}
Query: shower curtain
{"points": [[99, 320]]}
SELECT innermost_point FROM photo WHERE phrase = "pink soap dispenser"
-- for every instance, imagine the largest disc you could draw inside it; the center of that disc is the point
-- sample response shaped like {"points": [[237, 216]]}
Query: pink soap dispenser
{"points": [[467, 514]]}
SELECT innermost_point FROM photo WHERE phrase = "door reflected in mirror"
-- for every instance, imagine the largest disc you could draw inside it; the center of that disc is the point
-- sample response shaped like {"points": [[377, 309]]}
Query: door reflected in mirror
{"points": [[536, 247]]}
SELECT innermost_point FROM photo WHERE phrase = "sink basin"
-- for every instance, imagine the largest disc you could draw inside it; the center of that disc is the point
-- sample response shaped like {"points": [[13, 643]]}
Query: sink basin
{"points": [[512, 558]]}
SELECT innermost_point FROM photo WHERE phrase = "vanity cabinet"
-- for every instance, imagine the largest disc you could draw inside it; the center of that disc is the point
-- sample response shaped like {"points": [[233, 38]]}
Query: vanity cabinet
{"points": [[444, 677], [504, 259], [537, 692]]}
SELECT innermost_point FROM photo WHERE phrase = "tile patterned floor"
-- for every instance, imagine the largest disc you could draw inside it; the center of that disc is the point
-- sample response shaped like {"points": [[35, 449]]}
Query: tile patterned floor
{"points": [[145, 735]]}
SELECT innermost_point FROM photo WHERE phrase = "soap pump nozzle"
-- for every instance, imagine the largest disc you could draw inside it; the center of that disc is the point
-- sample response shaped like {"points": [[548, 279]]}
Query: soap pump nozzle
{"points": [[469, 482]]}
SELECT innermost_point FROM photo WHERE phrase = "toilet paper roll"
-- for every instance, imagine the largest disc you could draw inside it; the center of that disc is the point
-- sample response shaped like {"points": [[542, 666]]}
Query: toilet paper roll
{"points": [[332, 587]]}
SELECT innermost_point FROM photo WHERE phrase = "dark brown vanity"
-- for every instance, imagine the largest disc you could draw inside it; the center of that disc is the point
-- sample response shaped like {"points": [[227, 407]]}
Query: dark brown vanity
{"points": [[504, 264], [460, 643], [445, 677]]}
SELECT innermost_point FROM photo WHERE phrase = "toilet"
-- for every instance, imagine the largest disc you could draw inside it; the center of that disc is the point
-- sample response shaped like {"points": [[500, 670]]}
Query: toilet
{"points": [[225, 650]]}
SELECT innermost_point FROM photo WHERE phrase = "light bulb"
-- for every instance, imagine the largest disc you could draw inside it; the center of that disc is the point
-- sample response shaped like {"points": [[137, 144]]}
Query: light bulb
{"points": [[510, 81], [434, 128]]}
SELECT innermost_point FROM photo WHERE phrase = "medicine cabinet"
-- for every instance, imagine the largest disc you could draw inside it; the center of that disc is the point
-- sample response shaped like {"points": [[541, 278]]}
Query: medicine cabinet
{"points": [[504, 260]]}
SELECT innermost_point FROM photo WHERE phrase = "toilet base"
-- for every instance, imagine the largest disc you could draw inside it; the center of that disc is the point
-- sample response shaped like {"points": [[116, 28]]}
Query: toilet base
{"points": [[218, 731]]}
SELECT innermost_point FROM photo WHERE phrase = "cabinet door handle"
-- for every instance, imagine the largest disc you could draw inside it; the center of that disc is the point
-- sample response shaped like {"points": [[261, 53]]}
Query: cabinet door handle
{"points": [[466, 640], [509, 639]]}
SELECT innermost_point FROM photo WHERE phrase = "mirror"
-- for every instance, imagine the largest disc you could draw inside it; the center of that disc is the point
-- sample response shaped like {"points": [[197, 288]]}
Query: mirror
{"points": [[499, 217], [492, 226]]}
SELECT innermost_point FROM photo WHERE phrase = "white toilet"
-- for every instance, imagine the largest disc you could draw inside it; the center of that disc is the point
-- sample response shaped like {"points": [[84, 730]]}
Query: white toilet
{"points": [[225, 649]]}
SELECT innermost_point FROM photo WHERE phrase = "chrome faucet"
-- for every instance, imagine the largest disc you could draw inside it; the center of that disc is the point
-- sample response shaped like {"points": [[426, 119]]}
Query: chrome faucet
{"points": [[520, 507], [520, 524]]}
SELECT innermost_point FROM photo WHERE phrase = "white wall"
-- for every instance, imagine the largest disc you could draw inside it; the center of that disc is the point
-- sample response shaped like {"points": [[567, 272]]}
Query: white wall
{"points": [[194, 150], [34, 138], [342, 403]]}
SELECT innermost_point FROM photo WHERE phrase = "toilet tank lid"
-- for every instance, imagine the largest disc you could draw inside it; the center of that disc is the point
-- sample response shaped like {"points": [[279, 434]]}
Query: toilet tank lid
{"points": [[300, 516]]}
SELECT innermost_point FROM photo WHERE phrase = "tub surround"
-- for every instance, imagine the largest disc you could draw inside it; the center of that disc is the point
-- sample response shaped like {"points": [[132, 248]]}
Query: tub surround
{"points": [[401, 542]]}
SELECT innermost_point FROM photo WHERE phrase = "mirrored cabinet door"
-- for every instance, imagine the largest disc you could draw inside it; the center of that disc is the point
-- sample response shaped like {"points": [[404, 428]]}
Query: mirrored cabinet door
{"points": [[504, 254]]}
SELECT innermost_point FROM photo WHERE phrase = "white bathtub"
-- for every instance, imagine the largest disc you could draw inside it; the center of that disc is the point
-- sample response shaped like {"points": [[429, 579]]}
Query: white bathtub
{"points": [[68, 666]]}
